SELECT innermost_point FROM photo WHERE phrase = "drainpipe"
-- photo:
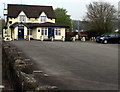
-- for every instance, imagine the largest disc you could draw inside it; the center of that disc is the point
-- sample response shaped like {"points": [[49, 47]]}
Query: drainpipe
{"points": [[29, 34]]}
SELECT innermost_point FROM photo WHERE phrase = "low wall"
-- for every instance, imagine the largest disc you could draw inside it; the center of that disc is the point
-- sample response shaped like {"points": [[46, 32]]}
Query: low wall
{"points": [[21, 73]]}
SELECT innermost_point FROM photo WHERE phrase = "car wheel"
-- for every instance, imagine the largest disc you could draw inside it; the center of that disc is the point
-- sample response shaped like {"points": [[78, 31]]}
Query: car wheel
{"points": [[105, 41]]}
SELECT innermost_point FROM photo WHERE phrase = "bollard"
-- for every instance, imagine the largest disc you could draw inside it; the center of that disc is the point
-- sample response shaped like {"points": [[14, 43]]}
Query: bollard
{"points": [[63, 38], [73, 39], [41, 38], [52, 39], [83, 39]]}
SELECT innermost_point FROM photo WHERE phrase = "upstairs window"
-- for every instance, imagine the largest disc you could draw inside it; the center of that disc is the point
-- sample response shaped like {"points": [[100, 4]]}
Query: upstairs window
{"points": [[22, 18], [43, 19]]}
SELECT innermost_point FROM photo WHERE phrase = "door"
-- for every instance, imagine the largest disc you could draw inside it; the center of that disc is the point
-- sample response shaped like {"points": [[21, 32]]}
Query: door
{"points": [[20, 32], [50, 32]]}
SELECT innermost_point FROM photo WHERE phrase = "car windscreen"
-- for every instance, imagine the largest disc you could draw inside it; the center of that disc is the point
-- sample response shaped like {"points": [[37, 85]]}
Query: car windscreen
{"points": [[105, 35], [110, 35]]}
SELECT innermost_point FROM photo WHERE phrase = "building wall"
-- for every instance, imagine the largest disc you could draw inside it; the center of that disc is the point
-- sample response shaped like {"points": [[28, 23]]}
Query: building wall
{"points": [[34, 32], [16, 33], [62, 34], [25, 32], [47, 19], [38, 33], [13, 20], [39, 36], [30, 20]]}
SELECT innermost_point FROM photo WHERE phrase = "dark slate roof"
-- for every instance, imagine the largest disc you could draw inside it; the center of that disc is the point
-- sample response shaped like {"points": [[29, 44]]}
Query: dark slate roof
{"points": [[32, 25], [31, 11]]}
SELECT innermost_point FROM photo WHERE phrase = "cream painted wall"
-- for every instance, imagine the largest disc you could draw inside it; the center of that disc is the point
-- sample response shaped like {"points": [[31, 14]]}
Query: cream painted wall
{"points": [[25, 32], [38, 33], [22, 13], [16, 33], [50, 20], [47, 19], [62, 34], [34, 33], [30, 20], [13, 20]]}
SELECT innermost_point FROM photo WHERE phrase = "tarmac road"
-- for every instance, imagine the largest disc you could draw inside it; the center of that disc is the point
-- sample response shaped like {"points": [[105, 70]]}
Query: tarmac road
{"points": [[75, 65], [0, 62]]}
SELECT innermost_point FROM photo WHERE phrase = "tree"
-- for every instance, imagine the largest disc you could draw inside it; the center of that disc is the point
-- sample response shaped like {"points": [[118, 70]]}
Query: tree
{"points": [[101, 16], [62, 17]]}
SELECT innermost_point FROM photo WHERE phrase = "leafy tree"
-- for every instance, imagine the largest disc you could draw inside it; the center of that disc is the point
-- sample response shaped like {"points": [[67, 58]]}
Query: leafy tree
{"points": [[100, 16], [62, 17]]}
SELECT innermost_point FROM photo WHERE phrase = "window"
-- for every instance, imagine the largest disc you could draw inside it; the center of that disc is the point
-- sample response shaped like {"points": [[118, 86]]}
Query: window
{"points": [[117, 34], [22, 18], [44, 32], [57, 31], [43, 19], [112, 35], [30, 32]]}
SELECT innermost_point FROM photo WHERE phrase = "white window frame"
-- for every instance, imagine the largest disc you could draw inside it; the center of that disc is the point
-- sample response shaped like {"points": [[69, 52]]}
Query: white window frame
{"points": [[43, 19], [22, 18], [30, 32], [57, 32], [44, 31]]}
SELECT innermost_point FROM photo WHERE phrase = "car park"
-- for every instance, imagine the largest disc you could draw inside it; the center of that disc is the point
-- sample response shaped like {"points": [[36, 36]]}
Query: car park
{"points": [[109, 38], [68, 38]]}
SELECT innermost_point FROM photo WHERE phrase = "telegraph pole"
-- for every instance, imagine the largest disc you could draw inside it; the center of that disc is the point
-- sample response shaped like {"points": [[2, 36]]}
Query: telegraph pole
{"points": [[78, 25]]}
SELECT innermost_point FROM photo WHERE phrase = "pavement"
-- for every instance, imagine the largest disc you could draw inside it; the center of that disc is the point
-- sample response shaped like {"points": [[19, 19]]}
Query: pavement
{"points": [[75, 65]]}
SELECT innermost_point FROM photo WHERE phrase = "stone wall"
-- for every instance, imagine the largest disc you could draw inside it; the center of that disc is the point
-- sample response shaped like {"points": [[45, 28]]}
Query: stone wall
{"points": [[21, 73]]}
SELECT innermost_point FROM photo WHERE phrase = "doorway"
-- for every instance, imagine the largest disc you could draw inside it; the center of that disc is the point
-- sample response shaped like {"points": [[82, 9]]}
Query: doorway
{"points": [[51, 32], [21, 32]]}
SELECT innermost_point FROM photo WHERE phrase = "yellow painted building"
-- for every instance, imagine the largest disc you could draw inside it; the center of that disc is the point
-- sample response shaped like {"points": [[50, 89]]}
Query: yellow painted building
{"points": [[37, 22]]}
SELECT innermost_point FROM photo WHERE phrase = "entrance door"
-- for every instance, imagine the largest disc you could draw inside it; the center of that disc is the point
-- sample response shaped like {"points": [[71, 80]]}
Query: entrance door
{"points": [[50, 32], [20, 32]]}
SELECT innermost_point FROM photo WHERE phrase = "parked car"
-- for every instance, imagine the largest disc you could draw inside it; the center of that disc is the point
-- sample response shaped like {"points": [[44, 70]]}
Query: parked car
{"points": [[109, 38]]}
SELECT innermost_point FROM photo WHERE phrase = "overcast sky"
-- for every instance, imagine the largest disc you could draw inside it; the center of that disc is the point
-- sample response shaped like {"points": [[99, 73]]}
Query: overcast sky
{"points": [[76, 8]]}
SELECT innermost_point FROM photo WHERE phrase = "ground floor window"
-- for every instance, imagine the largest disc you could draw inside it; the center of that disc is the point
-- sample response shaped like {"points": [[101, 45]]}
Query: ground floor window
{"points": [[29, 31], [44, 31], [57, 31]]}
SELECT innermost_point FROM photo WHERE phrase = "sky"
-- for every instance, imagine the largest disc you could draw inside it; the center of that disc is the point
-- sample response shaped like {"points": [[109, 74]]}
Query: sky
{"points": [[76, 8]]}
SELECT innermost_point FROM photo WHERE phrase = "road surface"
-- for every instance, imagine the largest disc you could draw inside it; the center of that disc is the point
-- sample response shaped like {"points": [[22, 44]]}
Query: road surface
{"points": [[75, 65], [0, 62]]}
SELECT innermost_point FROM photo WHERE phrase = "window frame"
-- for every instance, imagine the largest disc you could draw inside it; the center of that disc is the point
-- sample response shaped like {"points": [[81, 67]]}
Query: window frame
{"points": [[22, 18], [43, 19], [30, 32], [57, 31], [44, 31]]}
